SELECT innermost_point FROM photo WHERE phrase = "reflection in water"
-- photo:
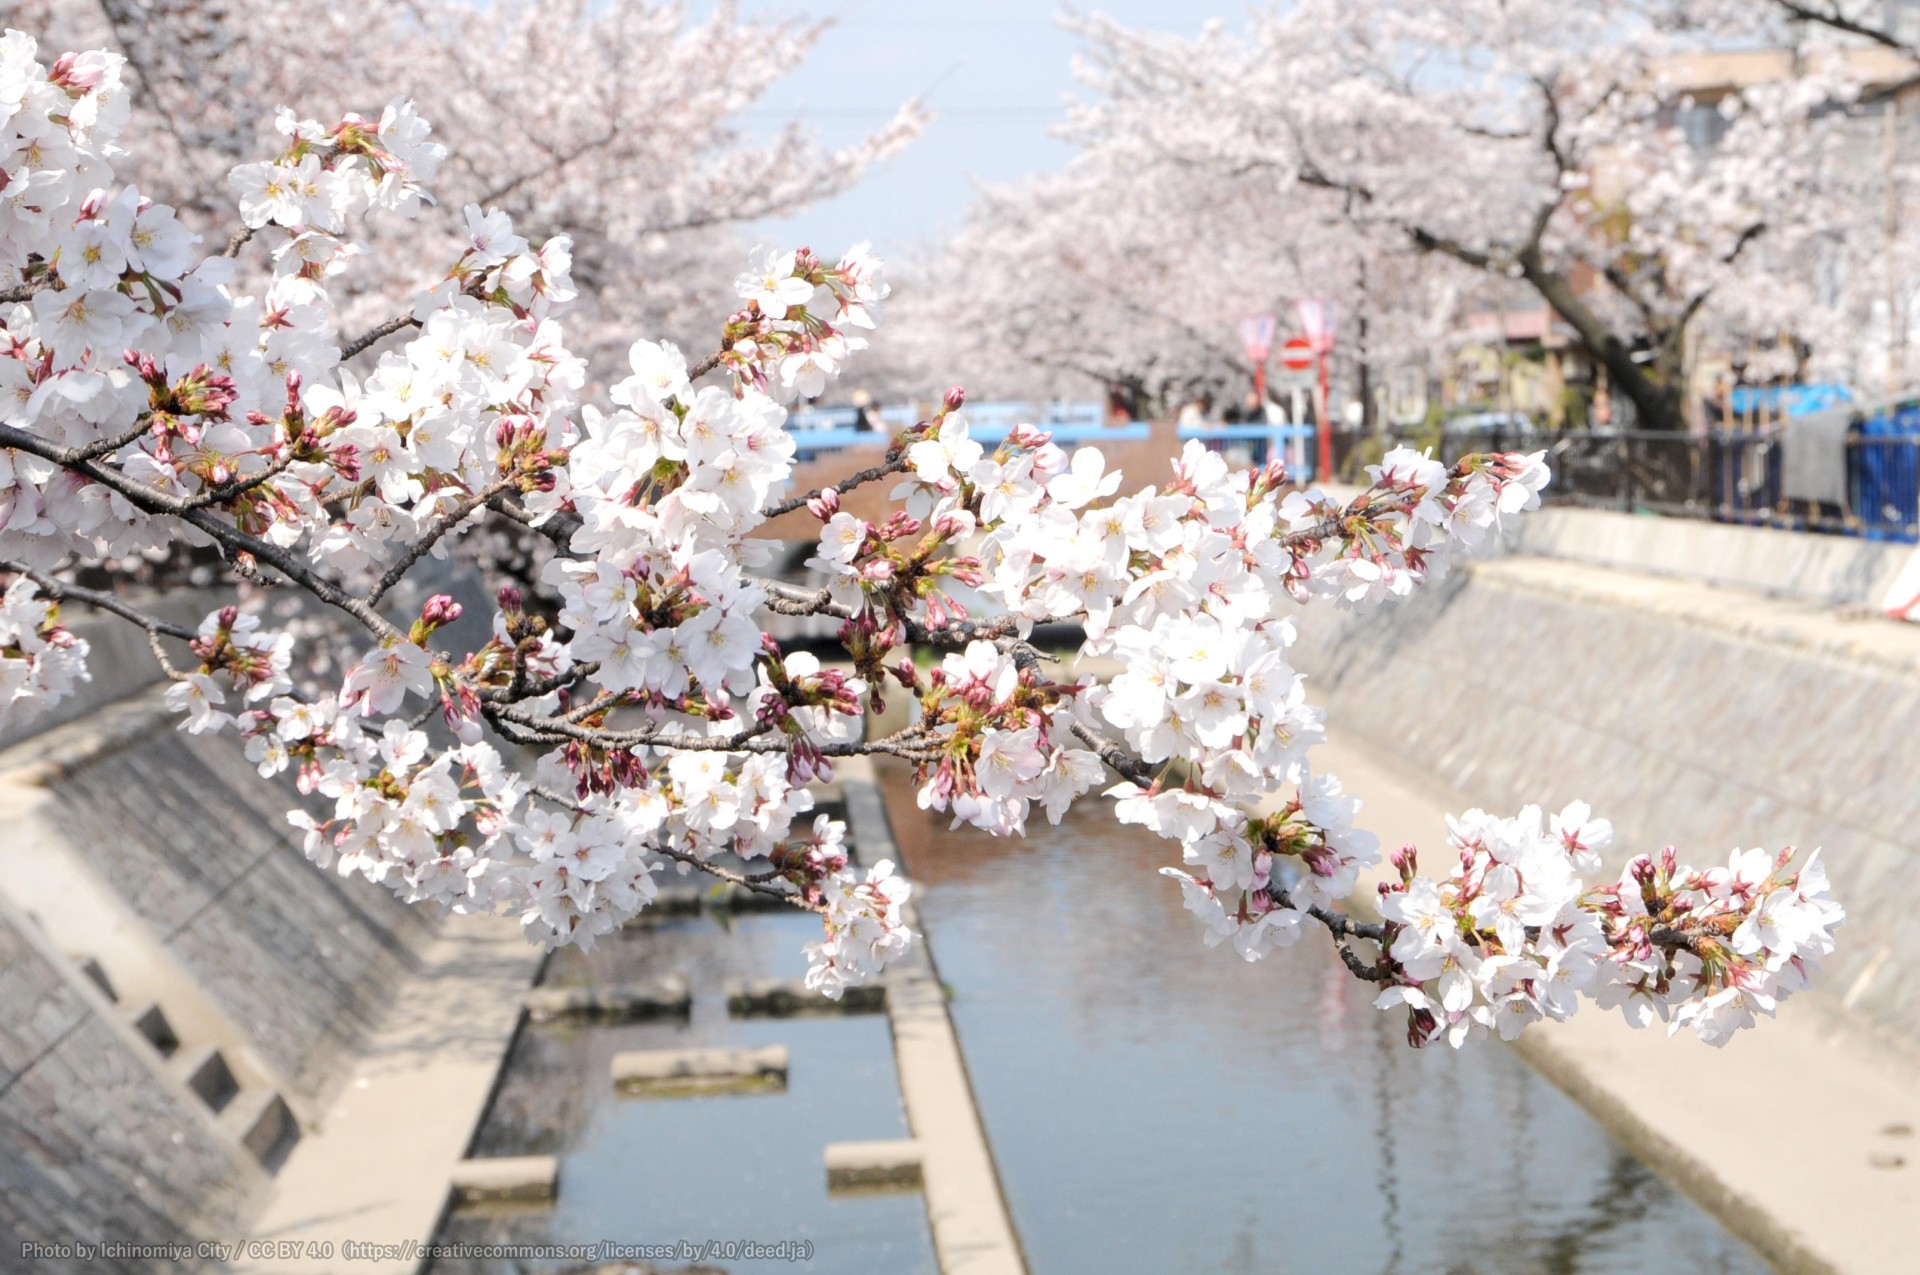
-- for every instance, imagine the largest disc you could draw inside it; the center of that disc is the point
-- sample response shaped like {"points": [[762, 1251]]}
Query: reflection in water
{"points": [[724, 1167], [1154, 1105]]}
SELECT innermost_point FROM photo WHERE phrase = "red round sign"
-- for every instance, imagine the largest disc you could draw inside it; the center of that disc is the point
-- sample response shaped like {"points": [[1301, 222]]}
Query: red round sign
{"points": [[1297, 354]]}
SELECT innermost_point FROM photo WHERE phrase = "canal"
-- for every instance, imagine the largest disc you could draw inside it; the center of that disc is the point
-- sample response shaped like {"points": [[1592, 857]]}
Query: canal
{"points": [[1152, 1104]]}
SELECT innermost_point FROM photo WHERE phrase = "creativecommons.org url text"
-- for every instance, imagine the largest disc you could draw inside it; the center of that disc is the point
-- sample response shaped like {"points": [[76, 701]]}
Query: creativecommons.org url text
{"points": [[415, 1251]]}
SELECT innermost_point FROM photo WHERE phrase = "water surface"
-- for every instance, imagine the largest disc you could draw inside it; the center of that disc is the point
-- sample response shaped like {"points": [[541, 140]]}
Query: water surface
{"points": [[1156, 1105], [724, 1167]]}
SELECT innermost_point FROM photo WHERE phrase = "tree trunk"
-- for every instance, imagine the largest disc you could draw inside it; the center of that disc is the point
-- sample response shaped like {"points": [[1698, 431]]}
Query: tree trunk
{"points": [[1654, 389], [1367, 422]]}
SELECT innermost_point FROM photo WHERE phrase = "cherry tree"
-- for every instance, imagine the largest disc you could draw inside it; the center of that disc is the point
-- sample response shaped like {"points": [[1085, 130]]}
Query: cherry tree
{"points": [[151, 399], [1873, 21], [1529, 140], [1130, 276], [618, 126]]}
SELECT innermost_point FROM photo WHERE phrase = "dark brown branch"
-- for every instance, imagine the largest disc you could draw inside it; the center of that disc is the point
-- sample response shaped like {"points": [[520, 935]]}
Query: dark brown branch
{"points": [[230, 537], [1833, 19], [398, 323], [1121, 762], [26, 290], [895, 463], [558, 528], [61, 591], [435, 532]]}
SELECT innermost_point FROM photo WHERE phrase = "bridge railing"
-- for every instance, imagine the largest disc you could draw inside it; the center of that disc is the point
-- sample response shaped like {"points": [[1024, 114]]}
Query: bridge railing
{"points": [[819, 431], [1256, 444]]}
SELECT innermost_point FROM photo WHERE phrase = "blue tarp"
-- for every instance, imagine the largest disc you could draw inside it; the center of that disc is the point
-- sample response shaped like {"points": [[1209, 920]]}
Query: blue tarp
{"points": [[1886, 473], [1798, 400]]}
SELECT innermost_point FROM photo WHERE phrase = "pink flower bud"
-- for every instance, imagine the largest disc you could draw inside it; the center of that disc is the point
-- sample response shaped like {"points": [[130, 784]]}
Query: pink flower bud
{"points": [[825, 505], [440, 609]]}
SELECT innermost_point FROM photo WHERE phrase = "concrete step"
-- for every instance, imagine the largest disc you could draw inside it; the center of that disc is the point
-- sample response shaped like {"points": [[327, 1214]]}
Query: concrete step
{"points": [[669, 997], [152, 1024], [699, 1071], [204, 1069], [791, 997], [260, 1120], [874, 1166], [520, 1178]]}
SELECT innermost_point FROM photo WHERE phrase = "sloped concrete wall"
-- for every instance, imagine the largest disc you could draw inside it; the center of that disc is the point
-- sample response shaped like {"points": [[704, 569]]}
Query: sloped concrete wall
{"points": [[94, 1146], [1842, 571], [170, 860], [198, 845], [1524, 681]]}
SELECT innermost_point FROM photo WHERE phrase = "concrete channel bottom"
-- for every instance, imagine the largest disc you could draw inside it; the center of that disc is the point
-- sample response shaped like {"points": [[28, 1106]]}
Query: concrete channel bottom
{"points": [[378, 1171], [1799, 1136]]}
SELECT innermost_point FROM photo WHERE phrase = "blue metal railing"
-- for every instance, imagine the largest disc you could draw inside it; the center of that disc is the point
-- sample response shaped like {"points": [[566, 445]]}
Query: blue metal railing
{"points": [[1001, 416], [1266, 442], [1789, 400], [814, 442]]}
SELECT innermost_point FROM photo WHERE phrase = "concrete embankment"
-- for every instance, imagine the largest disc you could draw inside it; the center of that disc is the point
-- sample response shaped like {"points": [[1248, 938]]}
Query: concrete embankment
{"points": [[1709, 687], [194, 1020], [1799, 1136], [1705, 717]]}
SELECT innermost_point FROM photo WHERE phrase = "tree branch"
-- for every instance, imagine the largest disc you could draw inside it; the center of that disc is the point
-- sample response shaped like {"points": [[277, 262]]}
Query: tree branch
{"points": [[398, 323], [226, 534]]}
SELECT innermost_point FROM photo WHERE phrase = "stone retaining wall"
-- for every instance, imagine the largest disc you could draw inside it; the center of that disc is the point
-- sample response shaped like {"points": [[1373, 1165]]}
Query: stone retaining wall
{"points": [[198, 844], [167, 861], [1524, 681], [94, 1146]]}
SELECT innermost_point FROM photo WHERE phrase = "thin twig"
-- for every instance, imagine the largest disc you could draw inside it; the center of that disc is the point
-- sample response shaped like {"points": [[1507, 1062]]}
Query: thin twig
{"points": [[432, 536], [895, 464], [381, 333], [228, 492]]}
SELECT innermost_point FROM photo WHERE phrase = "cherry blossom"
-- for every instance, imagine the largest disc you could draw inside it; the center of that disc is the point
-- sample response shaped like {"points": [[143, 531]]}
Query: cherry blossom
{"points": [[618, 710]]}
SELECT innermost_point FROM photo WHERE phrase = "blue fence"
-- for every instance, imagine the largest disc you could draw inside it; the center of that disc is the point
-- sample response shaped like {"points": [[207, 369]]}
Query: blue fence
{"points": [[1788, 400], [1002, 416], [1261, 443], [1884, 473], [818, 431]]}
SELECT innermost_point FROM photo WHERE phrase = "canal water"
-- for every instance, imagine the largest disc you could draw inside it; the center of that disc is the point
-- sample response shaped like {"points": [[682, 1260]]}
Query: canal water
{"points": [[725, 1167], [1157, 1105], [1153, 1105]]}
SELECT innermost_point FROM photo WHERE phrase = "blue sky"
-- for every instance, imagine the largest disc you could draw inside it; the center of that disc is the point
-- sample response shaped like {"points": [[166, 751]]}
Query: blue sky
{"points": [[994, 72]]}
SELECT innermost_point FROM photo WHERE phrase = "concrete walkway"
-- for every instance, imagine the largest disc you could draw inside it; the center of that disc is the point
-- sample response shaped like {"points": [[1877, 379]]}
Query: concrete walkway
{"points": [[378, 1170], [972, 1230], [1802, 1137]]}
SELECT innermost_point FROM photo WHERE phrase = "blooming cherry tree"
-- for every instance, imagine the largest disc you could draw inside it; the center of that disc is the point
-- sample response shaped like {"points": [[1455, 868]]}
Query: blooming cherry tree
{"points": [[631, 128], [1531, 143], [656, 726]]}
